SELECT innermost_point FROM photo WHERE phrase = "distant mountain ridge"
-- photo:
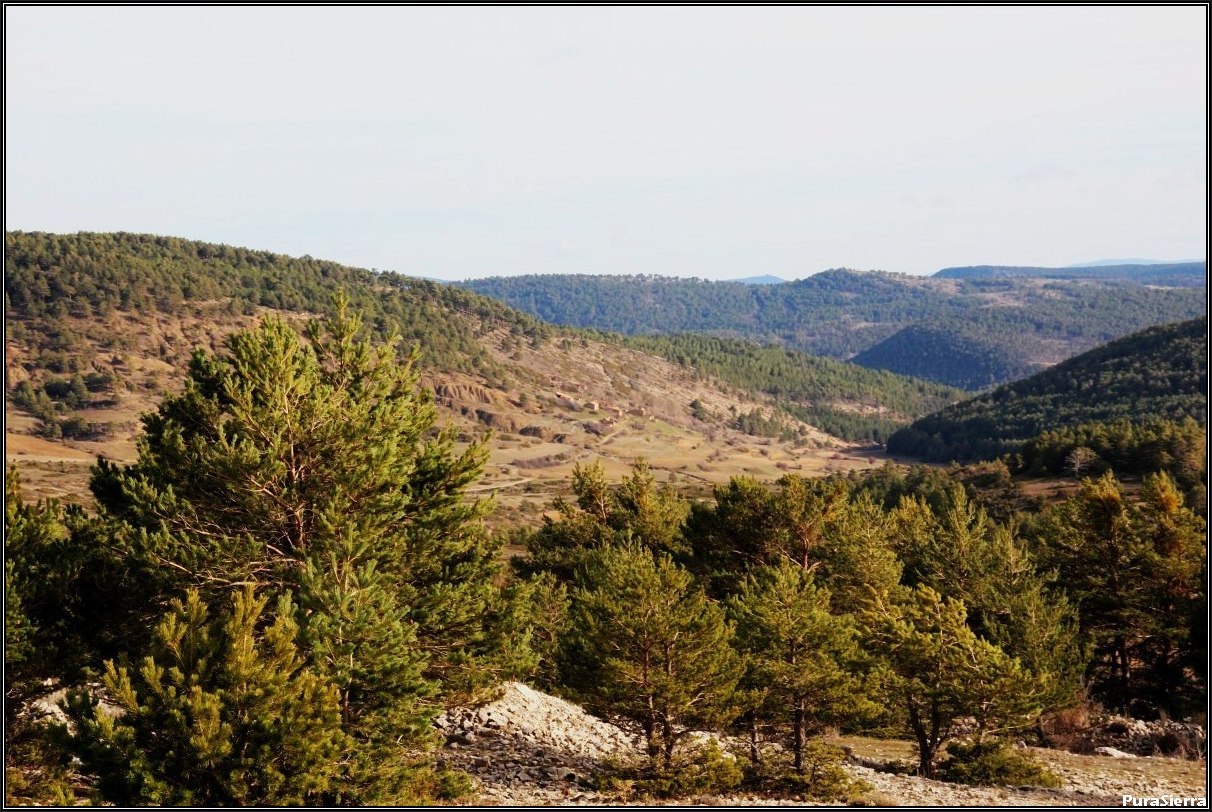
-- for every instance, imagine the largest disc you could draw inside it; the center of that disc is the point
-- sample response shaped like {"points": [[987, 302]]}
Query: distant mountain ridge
{"points": [[1157, 374], [764, 279], [975, 330], [1184, 274], [1100, 263]]}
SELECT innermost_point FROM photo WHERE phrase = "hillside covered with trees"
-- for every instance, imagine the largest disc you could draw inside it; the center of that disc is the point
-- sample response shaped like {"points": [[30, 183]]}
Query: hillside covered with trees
{"points": [[51, 276], [1154, 378], [58, 288], [986, 329], [842, 399]]}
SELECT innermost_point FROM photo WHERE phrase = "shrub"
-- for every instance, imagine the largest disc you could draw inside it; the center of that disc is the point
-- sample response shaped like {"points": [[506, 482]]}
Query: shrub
{"points": [[823, 777], [77, 428], [98, 381], [702, 770], [995, 762]]}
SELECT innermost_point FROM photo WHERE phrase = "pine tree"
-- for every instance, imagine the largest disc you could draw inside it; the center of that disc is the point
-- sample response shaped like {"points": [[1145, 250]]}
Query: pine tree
{"points": [[816, 525], [938, 671], [857, 555], [356, 636], [800, 657], [1177, 592], [1136, 571], [733, 534], [960, 552], [222, 713], [649, 648], [51, 599], [315, 467], [27, 529], [638, 510]]}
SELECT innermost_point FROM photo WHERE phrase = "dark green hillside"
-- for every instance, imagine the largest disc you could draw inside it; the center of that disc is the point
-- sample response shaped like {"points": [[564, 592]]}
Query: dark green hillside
{"points": [[959, 353], [1177, 274], [832, 313], [51, 276], [842, 399], [993, 345], [964, 332], [1160, 373], [631, 305]]}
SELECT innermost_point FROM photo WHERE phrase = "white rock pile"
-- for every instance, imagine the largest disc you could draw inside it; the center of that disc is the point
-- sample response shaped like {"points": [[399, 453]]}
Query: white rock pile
{"points": [[528, 747]]}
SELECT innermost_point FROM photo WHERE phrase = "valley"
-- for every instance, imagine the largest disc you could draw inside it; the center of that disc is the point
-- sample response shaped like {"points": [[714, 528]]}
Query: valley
{"points": [[421, 406]]}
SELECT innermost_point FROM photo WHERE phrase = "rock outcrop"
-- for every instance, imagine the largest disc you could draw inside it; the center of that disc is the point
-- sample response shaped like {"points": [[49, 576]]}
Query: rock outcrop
{"points": [[1135, 737]]}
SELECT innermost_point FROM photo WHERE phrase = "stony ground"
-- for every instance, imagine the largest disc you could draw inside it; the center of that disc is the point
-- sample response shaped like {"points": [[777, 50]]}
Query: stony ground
{"points": [[529, 748]]}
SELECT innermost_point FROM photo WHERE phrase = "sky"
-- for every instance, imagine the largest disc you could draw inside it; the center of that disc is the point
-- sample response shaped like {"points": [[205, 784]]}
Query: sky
{"points": [[712, 142]]}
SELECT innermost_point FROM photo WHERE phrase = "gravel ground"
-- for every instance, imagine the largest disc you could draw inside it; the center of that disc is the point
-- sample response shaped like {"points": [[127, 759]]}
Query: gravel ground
{"points": [[531, 749]]}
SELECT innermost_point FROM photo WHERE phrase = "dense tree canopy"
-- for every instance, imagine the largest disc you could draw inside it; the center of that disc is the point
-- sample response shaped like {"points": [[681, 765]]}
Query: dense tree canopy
{"points": [[311, 468], [1158, 374], [842, 399], [1135, 571]]}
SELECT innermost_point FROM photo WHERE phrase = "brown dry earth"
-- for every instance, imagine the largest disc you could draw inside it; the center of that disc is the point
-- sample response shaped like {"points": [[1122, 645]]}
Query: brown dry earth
{"points": [[565, 403]]}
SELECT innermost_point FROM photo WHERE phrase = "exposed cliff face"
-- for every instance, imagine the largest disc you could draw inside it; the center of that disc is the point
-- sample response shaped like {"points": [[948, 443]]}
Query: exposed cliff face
{"points": [[465, 393]]}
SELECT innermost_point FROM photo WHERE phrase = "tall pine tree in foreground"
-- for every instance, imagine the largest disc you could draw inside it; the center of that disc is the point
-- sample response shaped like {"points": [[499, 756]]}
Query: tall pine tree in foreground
{"points": [[315, 468], [221, 713]]}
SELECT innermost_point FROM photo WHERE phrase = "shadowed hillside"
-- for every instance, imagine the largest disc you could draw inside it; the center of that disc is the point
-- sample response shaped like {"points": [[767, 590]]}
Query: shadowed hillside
{"points": [[1158, 374]]}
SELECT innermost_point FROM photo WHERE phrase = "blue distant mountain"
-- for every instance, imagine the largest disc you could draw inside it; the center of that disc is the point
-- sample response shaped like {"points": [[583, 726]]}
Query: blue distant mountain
{"points": [[766, 279], [1168, 274], [1102, 263]]}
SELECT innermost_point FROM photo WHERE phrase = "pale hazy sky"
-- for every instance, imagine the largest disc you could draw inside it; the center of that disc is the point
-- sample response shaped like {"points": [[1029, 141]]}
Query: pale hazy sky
{"points": [[714, 142]]}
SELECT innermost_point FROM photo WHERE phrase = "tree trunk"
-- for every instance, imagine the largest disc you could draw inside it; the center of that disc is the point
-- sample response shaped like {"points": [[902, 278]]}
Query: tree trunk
{"points": [[667, 734], [926, 744], [797, 738], [755, 755], [1121, 654], [650, 734]]}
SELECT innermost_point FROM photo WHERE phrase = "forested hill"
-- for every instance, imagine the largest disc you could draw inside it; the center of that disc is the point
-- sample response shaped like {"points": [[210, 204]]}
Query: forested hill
{"points": [[61, 292], [1175, 274], [50, 276], [971, 333], [841, 399], [1158, 374]]}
